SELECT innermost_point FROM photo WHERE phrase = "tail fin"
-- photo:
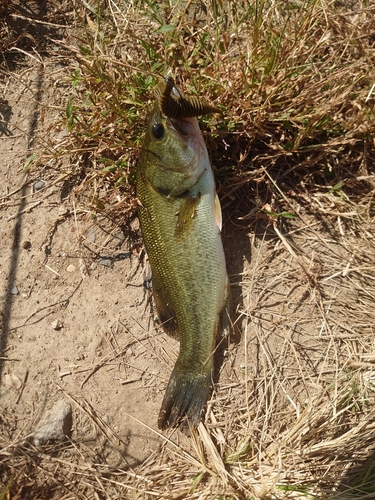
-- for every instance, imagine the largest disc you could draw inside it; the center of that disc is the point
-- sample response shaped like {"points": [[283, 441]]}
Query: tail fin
{"points": [[186, 396]]}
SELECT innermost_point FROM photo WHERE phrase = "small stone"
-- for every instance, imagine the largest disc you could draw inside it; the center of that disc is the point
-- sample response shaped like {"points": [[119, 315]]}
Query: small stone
{"points": [[64, 211], [90, 235], [14, 290], [26, 245], [56, 424], [12, 381], [106, 262], [122, 256], [57, 324], [39, 185], [71, 268], [120, 237]]}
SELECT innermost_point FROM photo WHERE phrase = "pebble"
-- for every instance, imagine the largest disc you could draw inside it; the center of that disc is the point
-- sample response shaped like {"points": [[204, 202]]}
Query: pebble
{"points": [[120, 237], [57, 324], [14, 290], [90, 235], [38, 185], [71, 268], [56, 424], [106, 262], [63, 211], [11, 380], [122, 256]]}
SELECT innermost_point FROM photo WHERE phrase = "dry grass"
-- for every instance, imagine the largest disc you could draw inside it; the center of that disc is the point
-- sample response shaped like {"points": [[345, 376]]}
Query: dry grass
{"points": [[293, 413], [295, 82]]}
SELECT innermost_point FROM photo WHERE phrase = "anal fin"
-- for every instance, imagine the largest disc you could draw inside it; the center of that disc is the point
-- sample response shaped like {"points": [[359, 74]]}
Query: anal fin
{"points": [[226, 313]]}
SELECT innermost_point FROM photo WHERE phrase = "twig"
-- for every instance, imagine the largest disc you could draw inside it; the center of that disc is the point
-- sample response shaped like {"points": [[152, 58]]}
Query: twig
{"points": [[23, 386], [27, 209]]}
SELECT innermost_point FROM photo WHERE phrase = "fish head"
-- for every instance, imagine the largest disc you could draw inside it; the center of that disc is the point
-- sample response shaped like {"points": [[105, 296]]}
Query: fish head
{"points": [[174, 155]]}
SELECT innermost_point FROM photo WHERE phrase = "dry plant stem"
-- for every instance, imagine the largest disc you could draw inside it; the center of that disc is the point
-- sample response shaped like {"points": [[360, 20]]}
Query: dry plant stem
{"points": [[99, 423], [184, 454]]}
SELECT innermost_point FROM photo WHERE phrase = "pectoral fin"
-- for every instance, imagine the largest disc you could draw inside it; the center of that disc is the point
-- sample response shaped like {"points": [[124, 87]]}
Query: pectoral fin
{"points": [[186, 215]]}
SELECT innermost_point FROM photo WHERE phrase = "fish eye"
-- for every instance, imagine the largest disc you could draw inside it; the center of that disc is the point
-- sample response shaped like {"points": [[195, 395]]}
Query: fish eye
{"points": [[158, 130]]}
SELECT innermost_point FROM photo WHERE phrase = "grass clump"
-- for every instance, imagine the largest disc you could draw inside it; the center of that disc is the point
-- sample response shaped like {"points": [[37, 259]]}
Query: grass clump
{"points": [[295, 80]]}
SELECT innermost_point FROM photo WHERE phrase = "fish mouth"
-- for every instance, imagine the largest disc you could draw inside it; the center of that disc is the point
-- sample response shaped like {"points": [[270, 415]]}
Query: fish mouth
{"points": [[181, 126]]}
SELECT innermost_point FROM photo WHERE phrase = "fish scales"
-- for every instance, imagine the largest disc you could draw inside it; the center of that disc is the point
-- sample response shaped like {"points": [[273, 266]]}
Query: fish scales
{"points": [[189, 268]]}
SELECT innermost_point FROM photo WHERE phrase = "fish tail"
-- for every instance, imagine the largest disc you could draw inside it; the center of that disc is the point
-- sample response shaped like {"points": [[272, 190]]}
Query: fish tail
{"points": [[186, 396]]}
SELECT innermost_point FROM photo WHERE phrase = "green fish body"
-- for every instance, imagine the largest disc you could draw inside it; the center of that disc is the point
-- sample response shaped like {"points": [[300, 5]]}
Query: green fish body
{"points": [[181, 220]]}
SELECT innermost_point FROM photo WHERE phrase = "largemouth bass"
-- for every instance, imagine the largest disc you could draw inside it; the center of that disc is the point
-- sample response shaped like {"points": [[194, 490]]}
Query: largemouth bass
{"points": [[180, 219]]}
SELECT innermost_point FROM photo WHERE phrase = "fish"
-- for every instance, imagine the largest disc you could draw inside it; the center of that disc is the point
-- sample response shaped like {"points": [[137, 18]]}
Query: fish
{"points": [[180, 219]]}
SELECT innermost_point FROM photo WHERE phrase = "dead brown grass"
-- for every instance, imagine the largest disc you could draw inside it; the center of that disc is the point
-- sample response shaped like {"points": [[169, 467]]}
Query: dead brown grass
{"points": [[293, 416]]}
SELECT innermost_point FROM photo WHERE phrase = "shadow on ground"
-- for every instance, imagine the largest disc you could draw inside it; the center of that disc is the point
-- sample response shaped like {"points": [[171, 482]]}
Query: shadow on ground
{"points": [[26, 32]]}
